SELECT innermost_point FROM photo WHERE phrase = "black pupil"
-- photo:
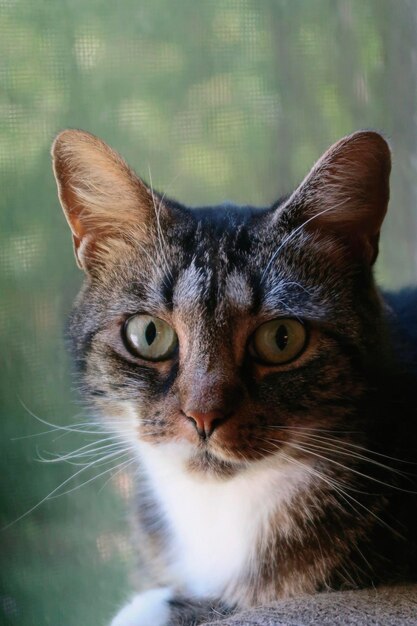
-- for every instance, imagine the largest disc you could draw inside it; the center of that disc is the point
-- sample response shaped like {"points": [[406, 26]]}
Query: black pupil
{"points": [[281, 337], [150, 333]]}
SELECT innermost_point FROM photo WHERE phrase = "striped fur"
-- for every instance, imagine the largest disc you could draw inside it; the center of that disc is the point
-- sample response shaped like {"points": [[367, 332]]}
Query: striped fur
{"points": [[308, 484]]}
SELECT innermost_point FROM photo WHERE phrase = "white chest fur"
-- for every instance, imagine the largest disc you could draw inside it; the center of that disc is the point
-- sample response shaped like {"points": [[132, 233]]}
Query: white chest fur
{"points": [[216, 525]]}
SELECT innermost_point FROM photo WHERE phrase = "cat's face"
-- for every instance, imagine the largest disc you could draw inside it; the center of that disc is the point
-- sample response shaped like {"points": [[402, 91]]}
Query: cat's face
{"points": [[228, 332]]}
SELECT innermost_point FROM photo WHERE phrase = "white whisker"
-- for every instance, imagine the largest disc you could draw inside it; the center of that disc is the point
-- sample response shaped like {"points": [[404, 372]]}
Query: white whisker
{"points": [[50, 494], [160, 235], [90, 480], [291, 235]]}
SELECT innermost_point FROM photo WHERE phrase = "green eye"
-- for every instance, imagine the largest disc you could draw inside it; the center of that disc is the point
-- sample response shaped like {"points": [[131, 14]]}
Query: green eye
{"points": [[150, 337], [278, 341]]}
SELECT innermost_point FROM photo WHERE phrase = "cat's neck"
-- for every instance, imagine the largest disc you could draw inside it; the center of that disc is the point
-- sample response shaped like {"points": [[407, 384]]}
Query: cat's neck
{"points": [[215, 524]]}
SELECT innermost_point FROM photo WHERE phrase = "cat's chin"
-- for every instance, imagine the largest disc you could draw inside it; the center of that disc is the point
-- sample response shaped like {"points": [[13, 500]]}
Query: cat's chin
{"points": [[207, 463], [195, 460], [212, 459]]}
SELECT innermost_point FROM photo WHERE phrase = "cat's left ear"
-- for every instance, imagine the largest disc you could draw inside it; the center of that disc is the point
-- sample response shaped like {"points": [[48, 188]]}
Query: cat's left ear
{"points": [[346, 193], [101, 196]]}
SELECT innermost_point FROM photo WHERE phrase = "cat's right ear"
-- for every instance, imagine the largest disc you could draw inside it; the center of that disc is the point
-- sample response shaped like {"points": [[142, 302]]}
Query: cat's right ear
{"points": [[101, 196], [346, 193]]}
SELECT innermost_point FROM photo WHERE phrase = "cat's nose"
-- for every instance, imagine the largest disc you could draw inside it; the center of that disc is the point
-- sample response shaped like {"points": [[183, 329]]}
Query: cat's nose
{"points": [[206, 423]]}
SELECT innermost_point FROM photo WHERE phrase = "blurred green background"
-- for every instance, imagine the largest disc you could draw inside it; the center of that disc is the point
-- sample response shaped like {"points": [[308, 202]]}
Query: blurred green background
{"points": [[219, 99]]}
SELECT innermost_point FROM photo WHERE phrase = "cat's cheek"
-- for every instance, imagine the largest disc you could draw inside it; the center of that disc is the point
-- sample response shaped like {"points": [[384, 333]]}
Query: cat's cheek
{"points": [[174, 428], [150, 608]]}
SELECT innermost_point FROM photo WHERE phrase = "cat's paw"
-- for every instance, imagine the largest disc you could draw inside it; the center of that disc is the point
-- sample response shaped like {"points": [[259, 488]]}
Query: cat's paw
{"points": [[150, 608]]}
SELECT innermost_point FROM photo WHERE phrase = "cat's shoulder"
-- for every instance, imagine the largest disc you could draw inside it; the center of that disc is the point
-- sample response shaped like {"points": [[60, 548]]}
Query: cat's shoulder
{"points": [[402, 319], [403, 303]]}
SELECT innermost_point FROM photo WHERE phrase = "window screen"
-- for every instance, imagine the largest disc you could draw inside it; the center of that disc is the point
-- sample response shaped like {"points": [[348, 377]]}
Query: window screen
{"points": [[227, 99]]}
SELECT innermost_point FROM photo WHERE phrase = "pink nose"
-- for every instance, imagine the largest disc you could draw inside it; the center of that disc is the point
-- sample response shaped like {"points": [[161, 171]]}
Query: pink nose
{"points": [[205, 423]]}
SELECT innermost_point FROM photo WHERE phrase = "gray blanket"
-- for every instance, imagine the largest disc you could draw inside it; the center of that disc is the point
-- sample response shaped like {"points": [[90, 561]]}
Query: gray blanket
{"points": [[385, 606]]}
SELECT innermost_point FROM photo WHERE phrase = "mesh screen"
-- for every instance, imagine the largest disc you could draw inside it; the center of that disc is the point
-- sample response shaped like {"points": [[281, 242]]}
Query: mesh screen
{"points": [[227, 99]]}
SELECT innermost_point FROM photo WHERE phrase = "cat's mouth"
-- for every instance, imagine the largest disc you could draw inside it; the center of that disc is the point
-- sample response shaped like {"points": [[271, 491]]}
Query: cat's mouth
{"points": [[233, 446], [225, 456], [207, 462], [221, 461]]}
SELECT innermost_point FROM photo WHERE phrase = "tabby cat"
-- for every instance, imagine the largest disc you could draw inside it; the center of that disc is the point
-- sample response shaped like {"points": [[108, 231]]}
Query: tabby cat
{"points": [[267, 387]]}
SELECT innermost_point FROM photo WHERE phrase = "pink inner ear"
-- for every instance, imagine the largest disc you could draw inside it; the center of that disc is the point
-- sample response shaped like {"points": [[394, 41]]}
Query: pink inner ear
{"points": [[347, 192], [77, 227], [100, 195]]}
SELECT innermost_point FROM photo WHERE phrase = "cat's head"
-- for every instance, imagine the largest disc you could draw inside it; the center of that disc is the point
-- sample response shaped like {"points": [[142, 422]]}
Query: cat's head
{"points": [[226, 331]]}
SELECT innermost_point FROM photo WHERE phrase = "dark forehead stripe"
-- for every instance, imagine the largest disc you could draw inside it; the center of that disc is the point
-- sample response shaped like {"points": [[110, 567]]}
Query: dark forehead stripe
{"points": [[216, 292], [218, 242], [256, 293], [167, 289]]}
